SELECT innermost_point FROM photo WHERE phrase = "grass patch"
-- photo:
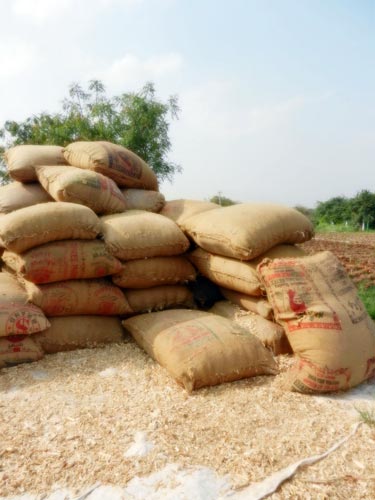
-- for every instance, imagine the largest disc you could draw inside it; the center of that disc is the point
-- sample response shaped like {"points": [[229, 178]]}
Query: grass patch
{"points": [[367, 295], [335, 228], [367, 416]]}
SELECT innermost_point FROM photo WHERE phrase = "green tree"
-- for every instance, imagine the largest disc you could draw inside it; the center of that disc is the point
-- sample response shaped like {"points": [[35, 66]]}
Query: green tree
{"points": [[336, 210], [363, 209], [222, 200], [136, 120]]}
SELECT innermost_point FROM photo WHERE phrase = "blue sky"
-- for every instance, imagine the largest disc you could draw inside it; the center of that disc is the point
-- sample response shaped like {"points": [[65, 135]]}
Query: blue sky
{"points": [[277, 97]]}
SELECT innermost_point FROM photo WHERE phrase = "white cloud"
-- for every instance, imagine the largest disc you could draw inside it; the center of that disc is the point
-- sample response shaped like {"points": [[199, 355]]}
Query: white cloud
{"points": [[16, 58], [223, 109], [131, 72], [40, 11], [228, 140]]}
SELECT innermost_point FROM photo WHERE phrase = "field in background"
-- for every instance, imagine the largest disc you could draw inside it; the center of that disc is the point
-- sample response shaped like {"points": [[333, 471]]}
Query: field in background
{"points": [[357, 253]]}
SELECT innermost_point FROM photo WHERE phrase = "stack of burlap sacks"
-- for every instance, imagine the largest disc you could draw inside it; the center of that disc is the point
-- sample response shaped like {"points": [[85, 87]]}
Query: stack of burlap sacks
{"points": [[319, 315], [93, 256], [66, 230]]}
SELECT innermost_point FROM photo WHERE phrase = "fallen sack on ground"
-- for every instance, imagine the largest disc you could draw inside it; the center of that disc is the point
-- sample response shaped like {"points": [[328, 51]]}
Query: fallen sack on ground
{"points": [[137, 234], [257, 305], [77, 297], [79, 332], [155, 271], [17, 317], [143, 199], [63, 260], [85, 187], [325, 322], [17, 349], [200, 349], [17, 195], [180, 210], [21, 160], [120, 164], [32, 226], [247, 230], [270, 334], [158, 298]]}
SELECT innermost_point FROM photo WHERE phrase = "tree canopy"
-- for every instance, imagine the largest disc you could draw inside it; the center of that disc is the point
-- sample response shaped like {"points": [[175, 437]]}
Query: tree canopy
{"points": [[358, 212], [136, 120]]}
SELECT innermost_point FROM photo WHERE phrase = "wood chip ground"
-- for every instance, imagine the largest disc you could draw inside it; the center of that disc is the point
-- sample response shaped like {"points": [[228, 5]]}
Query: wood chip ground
{"points": [[69, 419]]}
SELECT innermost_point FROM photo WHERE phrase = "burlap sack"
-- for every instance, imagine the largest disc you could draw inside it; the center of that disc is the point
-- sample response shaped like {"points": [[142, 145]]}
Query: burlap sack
{"points": [[63, 260], [146, 273], [257, 305], [19, 349], [32, 226], [120, 164], [74, 297], [200, 349], [17, 317], [21, 160], [180, 210], [79, 332], [85, 187], [17, 195], [142, 199], [270, 334], [137, 234], [226, 272], [159, 298], [325, 322], [247, 230]]}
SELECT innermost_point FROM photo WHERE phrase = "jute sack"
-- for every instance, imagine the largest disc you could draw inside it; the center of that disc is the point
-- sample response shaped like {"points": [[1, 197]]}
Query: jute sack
{"points": [[142, 199], [226, 272], [247, 230], [74, 297], [17, 317], [120, 164], [79, 332], [270, 334], [32, 226], [235, 274], [21, 160], [63, 260], [137, 234], [325, 322], [19, 349], [159, 298], [257, 305], [17, 195], [180, 210], [200, 349], [74, 185], [146, 273]]}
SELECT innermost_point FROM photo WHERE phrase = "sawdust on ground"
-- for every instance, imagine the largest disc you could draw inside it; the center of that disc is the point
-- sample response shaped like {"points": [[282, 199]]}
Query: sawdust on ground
{"points": [[69, 419]]}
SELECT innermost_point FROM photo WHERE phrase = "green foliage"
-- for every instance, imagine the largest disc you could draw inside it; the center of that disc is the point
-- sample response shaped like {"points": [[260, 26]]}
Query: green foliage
{"points": [[323, 227], [334, 211], [367, 295], [136, 120], [222, 200], [363, 209], [367, 416], [346, 214]]}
